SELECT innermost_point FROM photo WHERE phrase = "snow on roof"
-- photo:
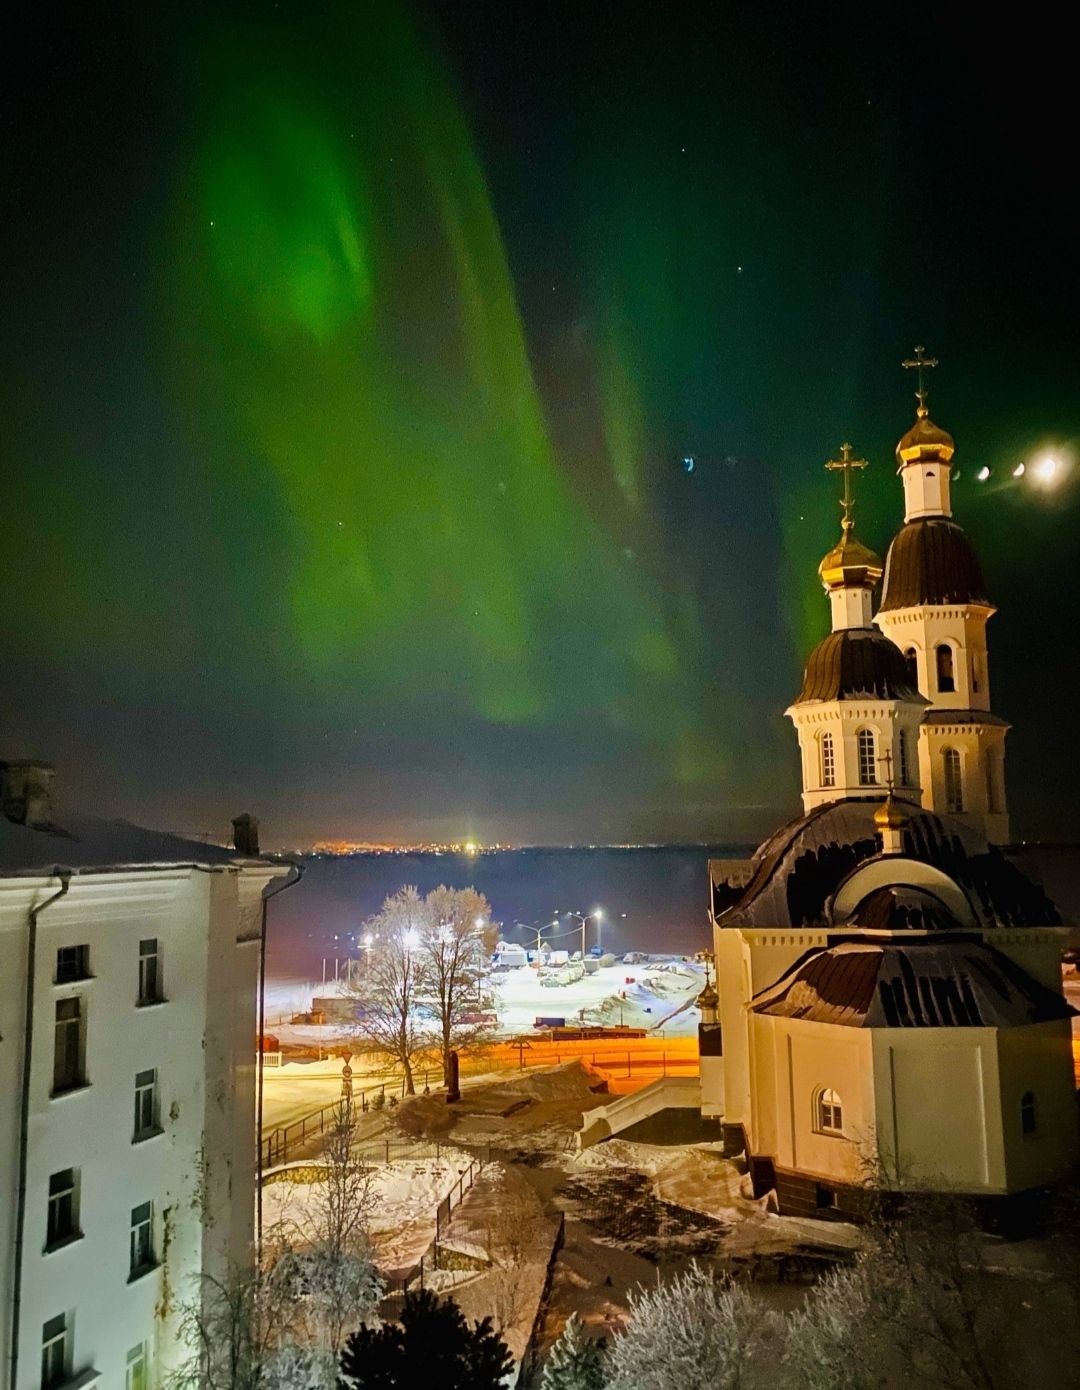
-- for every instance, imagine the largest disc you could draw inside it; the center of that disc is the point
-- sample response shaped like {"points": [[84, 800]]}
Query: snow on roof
{"points": [[85, 842]]}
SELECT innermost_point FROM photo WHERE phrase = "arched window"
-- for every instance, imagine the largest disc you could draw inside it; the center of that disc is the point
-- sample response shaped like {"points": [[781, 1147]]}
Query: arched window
{"points": [[830, 1114], [911, 657], [828, 761], [954, 785], [946, 680], [1028, 1118], [904, 770], [867, 758]]}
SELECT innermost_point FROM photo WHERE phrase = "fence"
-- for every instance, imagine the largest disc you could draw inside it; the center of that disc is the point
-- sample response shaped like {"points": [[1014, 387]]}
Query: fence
{"points": [[430, 1258], [626, 1064], [372, 1152], [276, 1144]]}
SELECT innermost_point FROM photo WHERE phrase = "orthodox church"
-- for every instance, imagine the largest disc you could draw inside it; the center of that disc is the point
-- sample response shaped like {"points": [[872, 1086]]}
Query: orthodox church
{"points": [[888, 1007]]}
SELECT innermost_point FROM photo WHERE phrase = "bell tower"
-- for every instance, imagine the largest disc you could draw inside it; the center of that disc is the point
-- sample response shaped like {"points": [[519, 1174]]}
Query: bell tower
{"points": [[934, 607], [858, 713]]}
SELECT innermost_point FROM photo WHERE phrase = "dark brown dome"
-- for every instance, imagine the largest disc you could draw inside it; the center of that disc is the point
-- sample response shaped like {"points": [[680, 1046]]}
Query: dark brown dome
{"points": [[857, 663], [931, 561]]}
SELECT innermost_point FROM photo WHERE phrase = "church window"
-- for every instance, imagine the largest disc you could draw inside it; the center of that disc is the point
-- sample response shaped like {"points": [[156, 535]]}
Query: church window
{"points": [[975, 674], [946, 680], [913, 665], [830, 1115], [867, 758], [1028, 1123], [954, 785], [904, 768], [828, 761]]}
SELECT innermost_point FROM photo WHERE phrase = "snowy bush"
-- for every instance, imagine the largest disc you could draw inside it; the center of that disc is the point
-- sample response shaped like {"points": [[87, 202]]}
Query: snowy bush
{"points": [[825, 1342], [695, 1333], [575, 1361]]}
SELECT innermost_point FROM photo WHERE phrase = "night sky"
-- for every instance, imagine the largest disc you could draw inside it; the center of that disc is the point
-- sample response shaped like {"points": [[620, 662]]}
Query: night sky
{"points": [[412, 417]]}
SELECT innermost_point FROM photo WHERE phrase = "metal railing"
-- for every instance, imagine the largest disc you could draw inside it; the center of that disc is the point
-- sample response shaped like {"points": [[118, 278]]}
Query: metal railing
{"points": [[276, 1144], [430, 1258]]}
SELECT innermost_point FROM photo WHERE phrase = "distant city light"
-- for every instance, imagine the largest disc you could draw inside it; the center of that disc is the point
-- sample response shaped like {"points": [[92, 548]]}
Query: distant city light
{"points": [[410, 939], [471, 847], [1018, 471], [983, 474]]}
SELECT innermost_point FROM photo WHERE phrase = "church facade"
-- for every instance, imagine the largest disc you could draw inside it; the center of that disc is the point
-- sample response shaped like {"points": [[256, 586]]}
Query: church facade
{"points": [[888, 1009]]}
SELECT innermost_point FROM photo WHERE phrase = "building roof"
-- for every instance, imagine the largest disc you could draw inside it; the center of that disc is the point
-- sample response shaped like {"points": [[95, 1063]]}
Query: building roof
{"points": [[903, 907], [796, 872], [85, 842], [931, 560], [857, 663], [927, 984]]}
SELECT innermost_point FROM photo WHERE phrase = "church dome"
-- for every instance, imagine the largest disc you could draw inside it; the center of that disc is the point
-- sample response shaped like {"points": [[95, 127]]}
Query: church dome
{"points": [[923, 441], [902, 907], [795, 874], [931, 561], [850, 564], [857, 663]]}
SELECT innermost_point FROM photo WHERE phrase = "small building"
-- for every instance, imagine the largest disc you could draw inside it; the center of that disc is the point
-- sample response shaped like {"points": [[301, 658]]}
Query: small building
{"points": [[890, 1007], [129, 978]]}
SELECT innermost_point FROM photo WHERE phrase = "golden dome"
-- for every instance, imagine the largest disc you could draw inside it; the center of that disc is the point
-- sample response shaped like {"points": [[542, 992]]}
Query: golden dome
{"points": [[850, 564], [925, 441], [708, 998], [889, 816]]}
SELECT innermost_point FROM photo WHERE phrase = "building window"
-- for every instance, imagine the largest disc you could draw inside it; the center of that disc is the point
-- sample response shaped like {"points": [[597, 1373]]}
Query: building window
{"points": [[63, 1222], [135, 1379], [142, 1240], [975, 674], [1028, 1118], [68, 1057], [830, 1115], [912, 659], [149, 971], [904, 760], [828, 761], [54, 1352], [946, 681], [867, 758], [146, 1106], [954, 783], [72, 963]]}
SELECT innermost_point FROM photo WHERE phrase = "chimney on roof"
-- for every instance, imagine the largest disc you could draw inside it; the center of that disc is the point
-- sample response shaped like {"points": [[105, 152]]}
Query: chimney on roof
{"points": [[245, 834], [25, 793]]}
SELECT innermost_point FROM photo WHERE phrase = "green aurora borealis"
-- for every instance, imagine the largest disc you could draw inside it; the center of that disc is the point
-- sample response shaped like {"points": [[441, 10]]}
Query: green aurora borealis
{"points": [[350, 364]]}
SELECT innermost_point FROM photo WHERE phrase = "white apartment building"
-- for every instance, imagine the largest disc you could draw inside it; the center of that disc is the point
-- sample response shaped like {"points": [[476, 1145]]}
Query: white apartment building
{"points": [[129, 985]]}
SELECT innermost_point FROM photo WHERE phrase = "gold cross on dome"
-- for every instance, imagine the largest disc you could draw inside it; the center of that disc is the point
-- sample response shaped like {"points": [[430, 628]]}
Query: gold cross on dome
{"points": [[920, 363], [846, 464]]}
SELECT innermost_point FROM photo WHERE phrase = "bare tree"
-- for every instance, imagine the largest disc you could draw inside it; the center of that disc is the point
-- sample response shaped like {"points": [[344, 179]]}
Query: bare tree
{"points": [[829, 1342], [327, 1257], [515, 1228], [392, 984], [454, 941]]}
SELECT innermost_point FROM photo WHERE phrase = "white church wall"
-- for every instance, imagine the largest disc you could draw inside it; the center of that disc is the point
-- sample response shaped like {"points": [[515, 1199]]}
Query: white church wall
{"points": [[1037, 1062], [938, 1116]]}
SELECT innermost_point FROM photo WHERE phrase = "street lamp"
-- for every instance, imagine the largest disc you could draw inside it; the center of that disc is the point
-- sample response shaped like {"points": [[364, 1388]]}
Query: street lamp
{"points": [[583, 917]]}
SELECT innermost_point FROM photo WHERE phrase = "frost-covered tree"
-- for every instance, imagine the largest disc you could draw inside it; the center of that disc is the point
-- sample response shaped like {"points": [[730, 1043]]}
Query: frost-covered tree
{"points": [[454, 941], [575, 1362], [695, 1333], [828, 1343], [393, 983]]}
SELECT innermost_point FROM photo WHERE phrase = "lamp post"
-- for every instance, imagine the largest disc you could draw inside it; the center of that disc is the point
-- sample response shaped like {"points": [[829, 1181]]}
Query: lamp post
{"points": [[583, 917]]}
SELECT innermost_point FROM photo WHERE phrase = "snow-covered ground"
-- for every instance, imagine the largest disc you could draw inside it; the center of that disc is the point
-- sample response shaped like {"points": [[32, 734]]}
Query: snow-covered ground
{"points": [[404, 1198], [651, 996]]}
